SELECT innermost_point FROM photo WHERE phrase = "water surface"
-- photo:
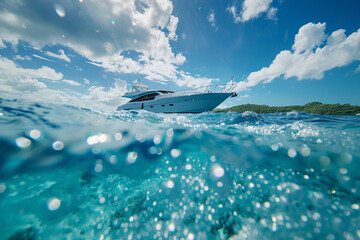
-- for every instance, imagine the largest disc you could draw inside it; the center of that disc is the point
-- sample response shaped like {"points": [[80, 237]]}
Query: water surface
{"points": [[72, 173]]}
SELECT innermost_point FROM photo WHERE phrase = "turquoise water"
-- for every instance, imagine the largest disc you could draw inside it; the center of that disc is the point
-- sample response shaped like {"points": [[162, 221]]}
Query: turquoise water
{"points": [[71, 173]]}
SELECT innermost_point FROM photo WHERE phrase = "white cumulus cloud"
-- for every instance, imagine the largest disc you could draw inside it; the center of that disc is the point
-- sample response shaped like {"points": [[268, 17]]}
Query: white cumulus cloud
{"points": [[9, 69], [111, 97], [22, 83], [309, 36], [234, 12], [71, 82], [172, 26], [313, 53], [22, 58], [101, 32], [211, 18], [98, 30], [271, 13], [188, 80], [252, 9], [14, 78]]}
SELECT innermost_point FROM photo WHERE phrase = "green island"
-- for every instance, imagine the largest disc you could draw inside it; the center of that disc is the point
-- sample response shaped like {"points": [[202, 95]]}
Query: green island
{"points": [[312, 107]]}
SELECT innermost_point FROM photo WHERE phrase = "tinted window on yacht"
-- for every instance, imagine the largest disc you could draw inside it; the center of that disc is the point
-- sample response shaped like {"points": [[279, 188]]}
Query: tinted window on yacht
{"points": [[165, 92], [145, 98]]}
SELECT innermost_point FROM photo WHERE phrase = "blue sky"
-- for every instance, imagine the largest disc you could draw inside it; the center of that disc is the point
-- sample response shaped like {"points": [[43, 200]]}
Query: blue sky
{"points": [[86, 52]]}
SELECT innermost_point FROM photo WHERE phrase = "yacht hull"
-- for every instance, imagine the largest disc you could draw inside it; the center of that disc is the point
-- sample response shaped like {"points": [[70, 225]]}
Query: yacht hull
{"points": [[180, 103]]}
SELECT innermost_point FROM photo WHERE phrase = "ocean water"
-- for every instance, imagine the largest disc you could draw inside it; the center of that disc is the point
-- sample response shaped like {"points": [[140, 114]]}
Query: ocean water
{"points": [[72, 173]]}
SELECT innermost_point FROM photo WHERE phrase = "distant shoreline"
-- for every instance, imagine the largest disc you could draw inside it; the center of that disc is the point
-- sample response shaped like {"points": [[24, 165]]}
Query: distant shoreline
{"points": [[312, 107]]}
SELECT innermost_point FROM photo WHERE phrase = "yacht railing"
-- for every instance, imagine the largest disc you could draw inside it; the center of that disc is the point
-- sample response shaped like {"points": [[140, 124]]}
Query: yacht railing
{"points": [[217, 88], [223, 88]]}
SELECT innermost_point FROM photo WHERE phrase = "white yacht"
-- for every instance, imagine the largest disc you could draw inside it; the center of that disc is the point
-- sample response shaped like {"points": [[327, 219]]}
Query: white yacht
{"points": [[163, 101]]}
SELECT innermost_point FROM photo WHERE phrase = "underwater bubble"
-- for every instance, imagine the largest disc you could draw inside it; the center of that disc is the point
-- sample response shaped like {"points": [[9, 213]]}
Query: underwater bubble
{"points": [[171, 227], [343, 170], [155, 150], [170, 132], [98, 167], [118, 136], [35, 134], [113, 159], [175, 153], [218, 171], [59, 10], [355, 206], [102, 199], [292, 153], [157, 139], [316, 216], [139, 137], [131, 158], [170, 184], [101, 138], [53, 204], [58, 145], [104, 138], [92, 140], [188, 166], [274, 147], [305, 151], [23, 142], [191, 236]]}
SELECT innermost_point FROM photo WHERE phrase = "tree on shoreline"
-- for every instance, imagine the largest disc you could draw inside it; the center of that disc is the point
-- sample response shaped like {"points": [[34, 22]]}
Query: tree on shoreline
{"points": [[312, 107]]}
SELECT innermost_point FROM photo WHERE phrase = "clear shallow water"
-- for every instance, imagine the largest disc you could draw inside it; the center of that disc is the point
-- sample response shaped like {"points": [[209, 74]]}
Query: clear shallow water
{"points": [[70, 173]]}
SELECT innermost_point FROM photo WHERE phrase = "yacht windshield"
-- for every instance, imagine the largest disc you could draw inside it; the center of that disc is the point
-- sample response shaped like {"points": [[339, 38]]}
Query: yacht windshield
{"points": [[165, 91], [145, 98]]}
